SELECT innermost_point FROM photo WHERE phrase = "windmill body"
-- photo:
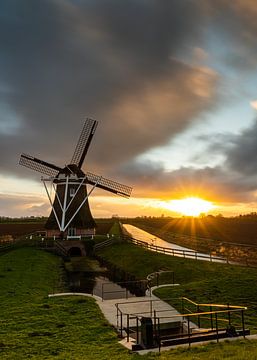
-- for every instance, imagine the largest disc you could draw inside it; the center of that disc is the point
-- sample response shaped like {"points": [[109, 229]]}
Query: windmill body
{"points": [[71, 215]]}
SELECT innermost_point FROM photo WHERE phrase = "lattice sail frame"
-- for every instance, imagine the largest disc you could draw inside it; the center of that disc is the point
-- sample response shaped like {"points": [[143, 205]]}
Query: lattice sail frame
{"points": [[84, 141], [109, 185], [39, 165]]}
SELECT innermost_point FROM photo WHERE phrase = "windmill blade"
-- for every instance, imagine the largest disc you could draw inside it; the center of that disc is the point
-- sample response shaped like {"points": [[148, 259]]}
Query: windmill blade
{"points": [[108, 185], [39, 165], [84, 142]]}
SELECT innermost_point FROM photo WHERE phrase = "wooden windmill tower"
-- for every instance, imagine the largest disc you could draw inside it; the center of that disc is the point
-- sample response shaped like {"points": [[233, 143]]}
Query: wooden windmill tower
{"points": [[71, 215]]}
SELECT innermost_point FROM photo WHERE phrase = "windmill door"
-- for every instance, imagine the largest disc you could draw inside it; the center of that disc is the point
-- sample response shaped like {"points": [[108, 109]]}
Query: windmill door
{"points": [[71, 231]]}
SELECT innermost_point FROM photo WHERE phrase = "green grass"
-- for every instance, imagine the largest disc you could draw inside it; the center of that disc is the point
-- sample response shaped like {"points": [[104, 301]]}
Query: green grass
{"points": [[33, 326], [115, 229], [36, 327], [200, 281]]}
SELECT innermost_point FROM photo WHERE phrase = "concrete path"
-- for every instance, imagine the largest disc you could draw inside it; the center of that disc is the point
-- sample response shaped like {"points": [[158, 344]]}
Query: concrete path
{"points": [[141, 306]]}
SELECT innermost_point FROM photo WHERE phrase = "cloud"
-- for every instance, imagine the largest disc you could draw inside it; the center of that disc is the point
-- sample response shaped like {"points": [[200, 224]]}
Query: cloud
{"points": [[119, 63], [237, 23], [254, 104], [22, 205], [61, 60], [241, 157]]}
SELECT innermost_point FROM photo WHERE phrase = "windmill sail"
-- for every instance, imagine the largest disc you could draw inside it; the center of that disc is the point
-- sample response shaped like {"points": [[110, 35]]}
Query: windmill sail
{"points": [[84, 142], [108, 185], [39, 165], [71, 216]]}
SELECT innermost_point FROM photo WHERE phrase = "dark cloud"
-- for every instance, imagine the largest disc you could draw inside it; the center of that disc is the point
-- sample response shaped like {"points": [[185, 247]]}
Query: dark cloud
{"points": [[214, 184], [118, 62], [241, 156], [110, 60], [237, 24]]}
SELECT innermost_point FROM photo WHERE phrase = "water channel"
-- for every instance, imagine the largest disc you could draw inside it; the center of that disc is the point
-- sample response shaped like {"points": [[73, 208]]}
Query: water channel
{"points": [[155, 241], [103, 279]]}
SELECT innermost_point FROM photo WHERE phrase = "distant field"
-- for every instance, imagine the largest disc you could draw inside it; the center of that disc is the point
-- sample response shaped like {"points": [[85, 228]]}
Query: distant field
{"points": [[22, 228], [19, 229], [238, 230], [235, 238]]}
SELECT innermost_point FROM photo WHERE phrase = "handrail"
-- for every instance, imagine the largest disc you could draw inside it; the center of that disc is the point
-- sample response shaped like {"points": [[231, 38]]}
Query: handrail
{"points": [[185, 253], [216, 305]]}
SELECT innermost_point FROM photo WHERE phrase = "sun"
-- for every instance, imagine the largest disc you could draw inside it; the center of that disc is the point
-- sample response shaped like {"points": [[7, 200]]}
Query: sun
{"points": [[191, 206]]}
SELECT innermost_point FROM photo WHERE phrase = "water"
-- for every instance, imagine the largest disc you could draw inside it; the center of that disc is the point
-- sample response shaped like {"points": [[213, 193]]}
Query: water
{"points": [[153, 241], [101, 286]]}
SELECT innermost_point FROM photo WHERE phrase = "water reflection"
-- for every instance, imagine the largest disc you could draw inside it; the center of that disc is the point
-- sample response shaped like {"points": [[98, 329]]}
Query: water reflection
{"points": [[102, 286], [182, 251]]}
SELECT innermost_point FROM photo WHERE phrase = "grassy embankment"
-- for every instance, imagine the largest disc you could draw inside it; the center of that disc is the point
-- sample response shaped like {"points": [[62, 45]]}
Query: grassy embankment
{"points": [[201, 281], [33, 326]]}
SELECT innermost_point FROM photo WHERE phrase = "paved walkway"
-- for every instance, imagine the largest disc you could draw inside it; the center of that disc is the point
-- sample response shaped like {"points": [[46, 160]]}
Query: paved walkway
{"points": [[141, 306]]}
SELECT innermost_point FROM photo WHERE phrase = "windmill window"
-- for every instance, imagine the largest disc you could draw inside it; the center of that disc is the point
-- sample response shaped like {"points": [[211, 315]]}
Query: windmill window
{"points": [[72, 192]]}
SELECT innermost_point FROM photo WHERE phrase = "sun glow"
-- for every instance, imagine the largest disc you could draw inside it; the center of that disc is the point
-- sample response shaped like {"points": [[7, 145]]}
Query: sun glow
{"points": [[191, 206]]}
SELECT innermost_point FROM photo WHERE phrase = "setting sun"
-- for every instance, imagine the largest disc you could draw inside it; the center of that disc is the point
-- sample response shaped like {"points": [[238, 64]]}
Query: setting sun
{"points": [[191, 206]]}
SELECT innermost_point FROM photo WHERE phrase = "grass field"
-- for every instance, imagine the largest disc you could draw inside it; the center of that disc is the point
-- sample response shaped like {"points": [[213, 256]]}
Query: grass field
{"points": [[17, 229], [32, 326], [35, 327], [233, 238], [200, 281], [220, 229]]}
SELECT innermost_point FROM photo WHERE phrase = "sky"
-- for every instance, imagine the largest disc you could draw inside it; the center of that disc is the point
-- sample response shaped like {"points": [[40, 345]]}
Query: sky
{"points": [[171, 82]]}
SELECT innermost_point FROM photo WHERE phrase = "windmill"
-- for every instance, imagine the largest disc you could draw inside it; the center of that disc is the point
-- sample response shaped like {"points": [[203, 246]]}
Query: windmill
{"points": [[71, 215]]}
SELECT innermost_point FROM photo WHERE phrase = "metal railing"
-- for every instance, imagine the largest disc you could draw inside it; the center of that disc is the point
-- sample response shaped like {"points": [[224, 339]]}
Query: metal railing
{"points": [[189, 254], [156, 278], [103, 244], [219, 321]]}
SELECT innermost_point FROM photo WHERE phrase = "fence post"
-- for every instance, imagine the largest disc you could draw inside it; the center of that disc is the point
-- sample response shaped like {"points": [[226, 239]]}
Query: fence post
{"points": [[127, 327], [198, 317], [159, 335], [121, 324], [243, 323], [211, 318], [229, 318], [154, 322], [217, 330], [117, 314], [137, 330], [188, 331]]}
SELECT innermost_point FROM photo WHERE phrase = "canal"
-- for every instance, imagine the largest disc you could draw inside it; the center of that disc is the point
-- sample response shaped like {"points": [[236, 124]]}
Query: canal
{"points": [[180, 251]]}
